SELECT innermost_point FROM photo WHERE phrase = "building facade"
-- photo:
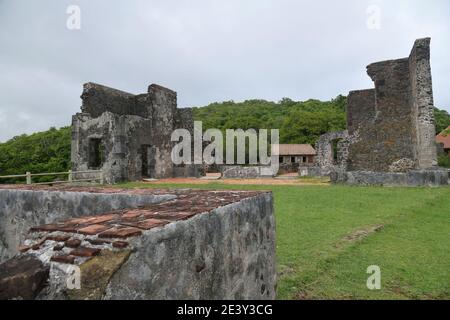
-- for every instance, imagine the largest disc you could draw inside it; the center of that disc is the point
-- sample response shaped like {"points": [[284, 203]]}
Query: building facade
{"points": [[294, 153]]}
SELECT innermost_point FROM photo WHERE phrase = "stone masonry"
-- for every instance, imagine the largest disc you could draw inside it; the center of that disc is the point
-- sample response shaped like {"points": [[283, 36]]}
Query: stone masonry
{"points": [[395, 120], [128, 136], [390, 129], [182, 244]]}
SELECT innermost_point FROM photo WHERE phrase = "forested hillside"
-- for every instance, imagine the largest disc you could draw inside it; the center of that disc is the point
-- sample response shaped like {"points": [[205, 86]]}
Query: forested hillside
{"points": [[299, 122], [47, 151]]}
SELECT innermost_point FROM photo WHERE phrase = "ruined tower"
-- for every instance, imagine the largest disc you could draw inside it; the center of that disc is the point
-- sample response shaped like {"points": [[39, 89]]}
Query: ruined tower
{"points": [[390, 129], [395, 120]]}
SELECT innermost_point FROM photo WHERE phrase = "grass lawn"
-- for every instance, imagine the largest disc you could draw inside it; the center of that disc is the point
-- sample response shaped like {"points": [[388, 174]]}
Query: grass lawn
{"points": [[326, 240]]}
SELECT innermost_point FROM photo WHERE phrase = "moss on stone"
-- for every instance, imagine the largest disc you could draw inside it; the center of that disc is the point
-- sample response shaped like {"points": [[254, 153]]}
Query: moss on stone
{"points": [[96, 273]]}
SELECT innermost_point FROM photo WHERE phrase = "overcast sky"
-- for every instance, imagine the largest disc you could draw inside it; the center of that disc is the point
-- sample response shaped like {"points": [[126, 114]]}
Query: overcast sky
{"points": [[206, 50]]}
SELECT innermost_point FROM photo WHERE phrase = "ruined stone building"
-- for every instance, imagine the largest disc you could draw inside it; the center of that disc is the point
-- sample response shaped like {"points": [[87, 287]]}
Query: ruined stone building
{"points": [[390, 129], [128, 136]]}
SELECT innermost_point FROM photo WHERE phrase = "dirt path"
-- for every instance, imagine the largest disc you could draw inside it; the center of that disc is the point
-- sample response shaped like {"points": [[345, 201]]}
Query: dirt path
{"points": [[265, 181]]}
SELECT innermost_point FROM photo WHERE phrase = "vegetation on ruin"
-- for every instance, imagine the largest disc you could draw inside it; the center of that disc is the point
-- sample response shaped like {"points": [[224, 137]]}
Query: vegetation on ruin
{"points": [[444, 161], [299, 122], [327, 236]]}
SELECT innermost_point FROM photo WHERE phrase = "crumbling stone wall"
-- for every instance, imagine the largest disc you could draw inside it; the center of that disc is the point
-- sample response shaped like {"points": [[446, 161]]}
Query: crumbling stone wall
{"points": [[422, 102], [133, 131], [394, 121], [411, 178], [183, 244], [360, 109], [246, 172], [389, 128], [326, 159]]}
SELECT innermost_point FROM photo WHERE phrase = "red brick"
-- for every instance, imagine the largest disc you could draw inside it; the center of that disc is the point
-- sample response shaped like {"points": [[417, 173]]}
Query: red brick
{"points": [[121, 232], [120, 244], [85, 252], [102, 218], [151, 223], [63, 258], [73, 243], [173, 216], [24, 248], [93, 229], [88, 220], [132, 214], [67, 228], [77, 220]]}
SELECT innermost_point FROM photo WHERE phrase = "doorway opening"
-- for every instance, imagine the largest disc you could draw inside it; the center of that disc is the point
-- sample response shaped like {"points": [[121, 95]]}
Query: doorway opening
{"points": [[95, 153], [335, 150], [148, 153]]}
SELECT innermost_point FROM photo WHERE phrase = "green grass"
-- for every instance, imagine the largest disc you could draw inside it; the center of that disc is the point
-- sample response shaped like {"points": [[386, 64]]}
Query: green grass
{"points": [[315, 261]]}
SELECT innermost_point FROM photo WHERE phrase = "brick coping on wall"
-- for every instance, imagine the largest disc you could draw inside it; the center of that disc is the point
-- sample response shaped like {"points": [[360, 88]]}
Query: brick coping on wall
{"points": [[76, 240]]}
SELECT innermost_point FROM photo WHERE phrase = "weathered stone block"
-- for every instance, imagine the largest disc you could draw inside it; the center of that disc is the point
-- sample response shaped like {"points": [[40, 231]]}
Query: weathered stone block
{"points": [[22, 278]]}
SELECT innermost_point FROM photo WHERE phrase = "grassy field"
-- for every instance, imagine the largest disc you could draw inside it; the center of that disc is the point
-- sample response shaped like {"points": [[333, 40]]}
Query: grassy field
{"points": [[327, 236]]}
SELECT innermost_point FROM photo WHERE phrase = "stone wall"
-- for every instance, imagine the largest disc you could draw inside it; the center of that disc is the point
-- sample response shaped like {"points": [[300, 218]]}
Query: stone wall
{"points": [[194, 245], [97, 99], [390, 129], [411, 178], [395, 121], [245, 172], [326, 160], [360, 109], [422, 102]]}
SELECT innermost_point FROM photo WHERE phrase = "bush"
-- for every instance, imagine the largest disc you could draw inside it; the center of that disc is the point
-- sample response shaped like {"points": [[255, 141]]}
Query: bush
{"points": [[444, 161]]}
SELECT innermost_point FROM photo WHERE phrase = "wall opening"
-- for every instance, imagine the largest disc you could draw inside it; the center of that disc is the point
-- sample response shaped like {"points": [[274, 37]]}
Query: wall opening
{"points": [[335, 150], [96, 153], [148, 154]]}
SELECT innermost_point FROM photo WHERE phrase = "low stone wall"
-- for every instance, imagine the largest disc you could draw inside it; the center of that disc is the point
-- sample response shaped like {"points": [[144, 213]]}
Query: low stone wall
{"points": [[188, 171], [192, 244], [288, 168], [246, 172], [312, 171], [438, 177]]}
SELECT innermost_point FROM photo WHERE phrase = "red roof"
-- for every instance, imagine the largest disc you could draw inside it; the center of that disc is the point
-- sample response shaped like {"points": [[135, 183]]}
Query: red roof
{"points": [[444, 137], [294, 149]]}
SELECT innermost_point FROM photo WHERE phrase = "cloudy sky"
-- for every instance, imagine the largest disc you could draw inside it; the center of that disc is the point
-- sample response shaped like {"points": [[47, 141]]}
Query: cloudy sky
{"points": [[206, 50]]}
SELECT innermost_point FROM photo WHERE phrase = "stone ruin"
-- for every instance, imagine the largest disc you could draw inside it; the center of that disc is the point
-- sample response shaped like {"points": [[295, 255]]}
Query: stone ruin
{"points": [[390, 136], [128, 136], [136, 243]]}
